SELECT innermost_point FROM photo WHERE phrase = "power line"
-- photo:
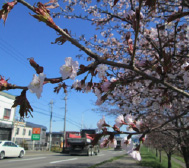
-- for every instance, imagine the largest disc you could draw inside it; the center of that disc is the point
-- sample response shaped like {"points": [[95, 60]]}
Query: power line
{"points": [[14, 55], [73, 124]]}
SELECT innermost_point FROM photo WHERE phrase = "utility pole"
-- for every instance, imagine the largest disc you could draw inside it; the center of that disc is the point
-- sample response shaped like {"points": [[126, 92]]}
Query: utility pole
{"points": [[50, 128], [64, 138]]}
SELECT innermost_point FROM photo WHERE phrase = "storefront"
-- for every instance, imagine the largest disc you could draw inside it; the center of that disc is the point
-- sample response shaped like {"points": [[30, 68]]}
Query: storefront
{"points": [[5, 131]]}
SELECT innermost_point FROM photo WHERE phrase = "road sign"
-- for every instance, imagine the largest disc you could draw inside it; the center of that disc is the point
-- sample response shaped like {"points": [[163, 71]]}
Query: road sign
{"points": [[36, 131], [35, 137]]}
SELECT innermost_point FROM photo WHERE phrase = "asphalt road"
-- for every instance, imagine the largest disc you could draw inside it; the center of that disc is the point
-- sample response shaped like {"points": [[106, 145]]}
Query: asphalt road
{"points": [[57, 160]]}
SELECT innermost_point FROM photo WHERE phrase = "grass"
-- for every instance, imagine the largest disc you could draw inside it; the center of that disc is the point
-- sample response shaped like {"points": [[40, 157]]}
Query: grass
{"points": [[56, 149], [150, 160], [179, 158], [106, 161]]}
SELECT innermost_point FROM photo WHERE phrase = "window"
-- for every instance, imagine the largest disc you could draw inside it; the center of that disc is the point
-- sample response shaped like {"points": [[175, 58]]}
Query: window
{"points": [[29, 133], [12, 144], [7, 113], [17, 131], [24, 132], [7, 144]]}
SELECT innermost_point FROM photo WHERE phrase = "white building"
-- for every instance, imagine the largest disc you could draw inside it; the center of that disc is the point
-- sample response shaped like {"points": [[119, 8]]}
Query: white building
{"points": [[21, 132], [7, 115], [22, 135]]}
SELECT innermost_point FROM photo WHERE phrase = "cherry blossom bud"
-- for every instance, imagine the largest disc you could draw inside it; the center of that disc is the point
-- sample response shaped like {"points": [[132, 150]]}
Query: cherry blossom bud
{"points": [[116, 128], [3, 82], [128, 36]]}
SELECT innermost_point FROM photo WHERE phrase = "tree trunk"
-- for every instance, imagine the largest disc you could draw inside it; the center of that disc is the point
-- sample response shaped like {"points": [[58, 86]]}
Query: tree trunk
{"points": [[160, 156], [185, 153], [169, 160], [156, 152]]}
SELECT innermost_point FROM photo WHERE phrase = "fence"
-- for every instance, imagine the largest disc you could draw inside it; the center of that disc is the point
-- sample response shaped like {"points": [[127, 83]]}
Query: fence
{"points": [[30, 145]]}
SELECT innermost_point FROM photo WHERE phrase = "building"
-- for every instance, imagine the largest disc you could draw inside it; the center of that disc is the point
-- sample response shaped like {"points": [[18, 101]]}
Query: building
{"points": [[7, 115], [23, 135], [21, 132], [57, 138], [43, 129]]}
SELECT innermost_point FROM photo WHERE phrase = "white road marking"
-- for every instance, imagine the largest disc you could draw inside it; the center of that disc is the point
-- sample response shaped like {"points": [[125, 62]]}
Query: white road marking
{"points": [[37, 158], [63, 160], [100, 155], [38, 154]]}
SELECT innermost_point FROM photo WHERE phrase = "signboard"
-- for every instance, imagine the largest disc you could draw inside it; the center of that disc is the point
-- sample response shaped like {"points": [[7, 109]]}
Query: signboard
{"points": [[36, 131], [36, 137]]}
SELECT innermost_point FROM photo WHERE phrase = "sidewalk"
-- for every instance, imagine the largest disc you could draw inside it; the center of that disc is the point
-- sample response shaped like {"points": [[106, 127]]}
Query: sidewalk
{"points": [[124, 162]]}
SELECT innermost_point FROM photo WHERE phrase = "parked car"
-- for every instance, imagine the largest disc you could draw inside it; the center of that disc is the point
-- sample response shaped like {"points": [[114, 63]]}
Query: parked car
{"points": [[10, 149]]}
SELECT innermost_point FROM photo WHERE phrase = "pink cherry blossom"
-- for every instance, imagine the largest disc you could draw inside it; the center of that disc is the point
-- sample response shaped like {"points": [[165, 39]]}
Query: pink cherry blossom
{"points": [[135, 155], [101, 69], [129, 119], [97, 92], [186, 64], [139, 124], [87, 87], [105, 86], [113, 143], [101, 123], [77, 84], [126, 144], [119, 121], [113, 79], [36, 85], [69, 69], [104, 142]]}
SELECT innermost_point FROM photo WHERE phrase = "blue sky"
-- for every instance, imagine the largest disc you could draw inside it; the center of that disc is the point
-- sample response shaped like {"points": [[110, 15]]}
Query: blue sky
{"points": [[24, 37]]}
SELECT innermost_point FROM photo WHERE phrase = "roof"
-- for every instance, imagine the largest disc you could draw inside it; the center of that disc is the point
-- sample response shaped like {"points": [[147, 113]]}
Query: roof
{"points": [[29, 124], [55, 133], [7, 95], [60, 133]]}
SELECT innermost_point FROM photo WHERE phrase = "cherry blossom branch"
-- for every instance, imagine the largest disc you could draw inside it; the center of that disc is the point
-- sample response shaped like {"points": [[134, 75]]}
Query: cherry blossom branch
{"points": [[101, 60], [87, 68], [136, 32], [145, 75], [117, 17], [168, 121], [16, 87]]}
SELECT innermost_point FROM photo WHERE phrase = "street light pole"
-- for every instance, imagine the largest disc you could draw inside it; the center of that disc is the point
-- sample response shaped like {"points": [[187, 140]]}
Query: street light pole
{"points": [[50, 128], [64, 138]]}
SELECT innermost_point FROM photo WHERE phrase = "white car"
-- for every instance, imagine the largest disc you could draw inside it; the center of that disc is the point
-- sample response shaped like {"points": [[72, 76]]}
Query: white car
{"points": [[10, 149]]}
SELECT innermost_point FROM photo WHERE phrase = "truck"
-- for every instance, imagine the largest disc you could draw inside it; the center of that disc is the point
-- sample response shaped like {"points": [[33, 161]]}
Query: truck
{"points": [[65, 145], [82, 144]]}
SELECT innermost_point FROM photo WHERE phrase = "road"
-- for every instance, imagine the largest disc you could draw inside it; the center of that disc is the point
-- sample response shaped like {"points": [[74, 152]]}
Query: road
{"points": [[57, 160]]}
